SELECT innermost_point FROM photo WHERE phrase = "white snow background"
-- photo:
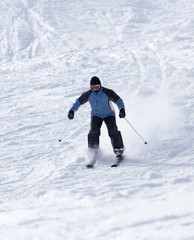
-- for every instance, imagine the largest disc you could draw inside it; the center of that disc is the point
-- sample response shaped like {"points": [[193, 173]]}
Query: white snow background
{"points": [[49, 50]]}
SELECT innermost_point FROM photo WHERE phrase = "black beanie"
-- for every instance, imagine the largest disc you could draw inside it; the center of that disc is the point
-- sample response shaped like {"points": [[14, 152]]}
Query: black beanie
{"points": [[95, 81]]}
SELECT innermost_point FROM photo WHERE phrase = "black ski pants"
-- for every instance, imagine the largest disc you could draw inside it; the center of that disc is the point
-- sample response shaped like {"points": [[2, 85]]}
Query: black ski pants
{"points": [[114, 134]]}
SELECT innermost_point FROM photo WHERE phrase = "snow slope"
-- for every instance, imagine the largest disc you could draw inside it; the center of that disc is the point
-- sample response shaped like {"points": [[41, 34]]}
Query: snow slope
{"points": [[49, 50]]}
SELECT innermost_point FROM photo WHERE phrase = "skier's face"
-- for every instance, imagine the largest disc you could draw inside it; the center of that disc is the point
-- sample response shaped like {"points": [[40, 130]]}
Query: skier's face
{"points": [[95, 88]]}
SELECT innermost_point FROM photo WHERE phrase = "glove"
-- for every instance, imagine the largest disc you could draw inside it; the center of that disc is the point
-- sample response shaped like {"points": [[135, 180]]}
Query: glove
{"points": [[122, 113], [71, 114]]}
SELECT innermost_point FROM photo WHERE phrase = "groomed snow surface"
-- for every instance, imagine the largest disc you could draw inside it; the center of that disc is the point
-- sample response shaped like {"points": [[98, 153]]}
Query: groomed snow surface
{"points": [[49, 50]]}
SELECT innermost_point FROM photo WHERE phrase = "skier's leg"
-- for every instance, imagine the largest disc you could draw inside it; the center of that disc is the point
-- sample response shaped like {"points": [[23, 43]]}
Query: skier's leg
{"points": [[115, 135], [94, 133], [93, 139]]}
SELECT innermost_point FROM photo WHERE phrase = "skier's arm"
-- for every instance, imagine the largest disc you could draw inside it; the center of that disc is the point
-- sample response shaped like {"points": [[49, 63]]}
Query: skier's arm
{"points": [[114, 97], [120, 103], [74, 108], [80, 101], [76, 105]]}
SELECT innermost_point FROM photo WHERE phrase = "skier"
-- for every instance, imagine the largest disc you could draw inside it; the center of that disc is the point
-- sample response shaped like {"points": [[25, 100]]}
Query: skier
{"points": [[100, 99]]}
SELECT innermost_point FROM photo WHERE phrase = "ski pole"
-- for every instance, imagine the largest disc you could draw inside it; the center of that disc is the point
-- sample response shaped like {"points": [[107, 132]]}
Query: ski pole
{"points": [[64, 130], [136, 131]]}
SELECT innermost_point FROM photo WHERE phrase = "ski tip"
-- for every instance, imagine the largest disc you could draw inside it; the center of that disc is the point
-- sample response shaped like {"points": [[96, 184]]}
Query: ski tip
{"points": [[114, 165], [146, 143], [89, 166]]}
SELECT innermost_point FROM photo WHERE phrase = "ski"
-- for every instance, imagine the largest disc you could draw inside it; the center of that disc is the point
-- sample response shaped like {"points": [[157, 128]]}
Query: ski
{"points": [[90, 165], [115, 165], [119, 159]]}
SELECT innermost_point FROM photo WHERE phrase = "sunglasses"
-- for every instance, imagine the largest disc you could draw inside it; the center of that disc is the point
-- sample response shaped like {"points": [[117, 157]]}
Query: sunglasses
{"points": [[95, 87]]}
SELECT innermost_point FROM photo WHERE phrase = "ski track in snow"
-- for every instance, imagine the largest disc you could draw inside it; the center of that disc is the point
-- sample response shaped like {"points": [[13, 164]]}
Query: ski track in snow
{"points": [[49, 50]]}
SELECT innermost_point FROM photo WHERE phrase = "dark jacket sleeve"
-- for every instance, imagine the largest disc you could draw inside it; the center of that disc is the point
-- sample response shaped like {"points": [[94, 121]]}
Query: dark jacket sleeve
{"points": [[113, 97], [111, 94], [84, 97], [81, 100]]}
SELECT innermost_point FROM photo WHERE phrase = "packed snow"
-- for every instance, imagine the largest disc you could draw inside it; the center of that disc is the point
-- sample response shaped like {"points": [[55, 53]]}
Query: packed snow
{"points": [[144, 51]]}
